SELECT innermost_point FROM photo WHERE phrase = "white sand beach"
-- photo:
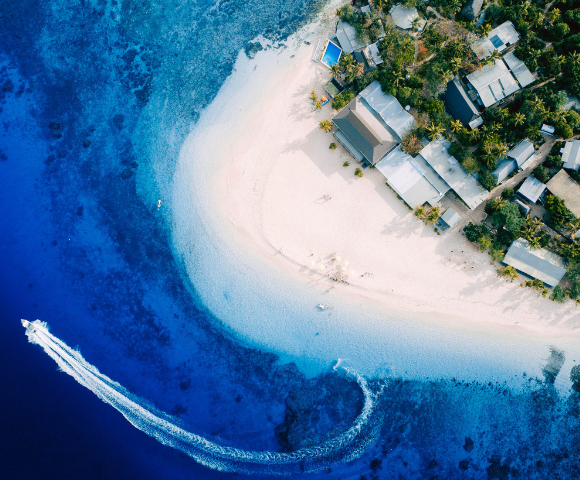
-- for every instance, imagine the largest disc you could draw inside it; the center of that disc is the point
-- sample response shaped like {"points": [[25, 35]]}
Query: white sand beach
{"points": [[250, 216]]}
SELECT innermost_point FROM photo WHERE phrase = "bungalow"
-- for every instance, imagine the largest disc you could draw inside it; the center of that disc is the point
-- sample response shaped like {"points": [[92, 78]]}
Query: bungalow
{"points": [[372, 124], [532, 189], [460, 106], [448, 220], [519, 157], [404, 17], [571, 155], [372, 54], [567, 189], [429, 176], [536, 263], [436, 155], [347, 37], [498, 39], [492, 83], [408, 179], [519, 69], [472, 9], [548, 129]]}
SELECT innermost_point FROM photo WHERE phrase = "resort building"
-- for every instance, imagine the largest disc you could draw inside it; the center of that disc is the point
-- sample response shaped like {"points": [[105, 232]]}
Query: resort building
{"points": [[436, 155], [372, 55], [404, 17], [429, 176], [347, 37], [498, 39], [448, 220], [471, 9], [372, 124], [536, 263], [460, 106], [519, 69], [492, 83], [408, 179], [571, 155], [532, 189], [520, 157], [567, 189], [548, 129]]}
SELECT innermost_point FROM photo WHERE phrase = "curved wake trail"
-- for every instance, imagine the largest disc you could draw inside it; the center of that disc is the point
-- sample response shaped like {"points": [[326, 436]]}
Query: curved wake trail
{"points": [[345, 447]]}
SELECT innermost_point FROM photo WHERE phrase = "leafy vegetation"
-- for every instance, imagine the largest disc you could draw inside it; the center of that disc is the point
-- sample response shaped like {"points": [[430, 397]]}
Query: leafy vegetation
{"points": [[342, 99]]}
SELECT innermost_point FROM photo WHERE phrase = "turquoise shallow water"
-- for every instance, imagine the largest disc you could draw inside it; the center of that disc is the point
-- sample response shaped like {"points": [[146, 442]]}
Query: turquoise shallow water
{"points": [[94, 95]]}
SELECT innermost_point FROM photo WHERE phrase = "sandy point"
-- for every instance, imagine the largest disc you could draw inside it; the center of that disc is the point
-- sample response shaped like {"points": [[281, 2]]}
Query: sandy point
{"points": [[286, 189]]}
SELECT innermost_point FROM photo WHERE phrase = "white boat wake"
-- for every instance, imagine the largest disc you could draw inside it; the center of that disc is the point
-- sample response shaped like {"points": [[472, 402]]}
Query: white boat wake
{"points": [[344, 447]]}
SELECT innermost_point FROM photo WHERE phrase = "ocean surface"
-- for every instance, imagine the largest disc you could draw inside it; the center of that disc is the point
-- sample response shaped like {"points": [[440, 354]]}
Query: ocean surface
{"points": [[96, 100]]}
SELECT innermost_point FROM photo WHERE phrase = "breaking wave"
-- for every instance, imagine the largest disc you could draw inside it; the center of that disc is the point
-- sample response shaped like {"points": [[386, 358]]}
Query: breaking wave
{"points": [[344, 447]]}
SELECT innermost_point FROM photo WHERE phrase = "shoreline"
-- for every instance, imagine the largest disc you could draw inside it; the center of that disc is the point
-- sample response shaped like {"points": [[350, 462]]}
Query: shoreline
{"points": [[264, 163]]}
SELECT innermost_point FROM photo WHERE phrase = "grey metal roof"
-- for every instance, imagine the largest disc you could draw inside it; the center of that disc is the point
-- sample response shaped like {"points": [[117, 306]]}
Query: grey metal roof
{"points": [[460, 106], [346, 143], [450, 170], [437, 155], [571, 154], [471, 192], [472, 9], [346, 35], [389, 109], [522, 152], [519, 69], [493, 82], [403, 17], [540, 263], [369, 134], [372, 54], [451, 217], [506, 35], [433, 177], [406, 177], [504, 168], [532, 189], [567, 189]]}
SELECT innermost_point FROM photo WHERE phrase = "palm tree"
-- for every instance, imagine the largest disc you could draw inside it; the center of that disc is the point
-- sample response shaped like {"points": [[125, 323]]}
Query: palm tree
{"points": [[415, 23], [519, 118], [553, 16], [398, 77], [488, 157], [534, 242], [485, 29], [501, 151], [335, 70], [455, 63], [497, 203], [434, 131], [456, 126], [313, 96], [433, 215], [509, 273], [574, 59], [495, 55], [325, 125], [318, 105], [473, 135], [503, 113], [455, 6], [420, 212]]}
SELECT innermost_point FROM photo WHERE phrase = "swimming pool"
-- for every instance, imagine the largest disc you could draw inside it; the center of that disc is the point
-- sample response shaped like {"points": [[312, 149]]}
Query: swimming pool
{"points": [[331, 54]]}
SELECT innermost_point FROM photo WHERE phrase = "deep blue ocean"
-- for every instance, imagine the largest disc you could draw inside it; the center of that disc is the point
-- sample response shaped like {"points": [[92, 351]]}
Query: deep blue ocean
{"points": [[86, 88]]}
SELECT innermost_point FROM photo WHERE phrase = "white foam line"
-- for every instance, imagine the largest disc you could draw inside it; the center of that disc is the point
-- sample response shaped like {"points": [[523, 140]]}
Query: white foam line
{"points": [[345, 447]]}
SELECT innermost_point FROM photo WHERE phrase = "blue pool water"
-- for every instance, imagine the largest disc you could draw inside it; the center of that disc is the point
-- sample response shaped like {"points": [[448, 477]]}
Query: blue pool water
{"points": [[83, 250], [331, 54]]}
